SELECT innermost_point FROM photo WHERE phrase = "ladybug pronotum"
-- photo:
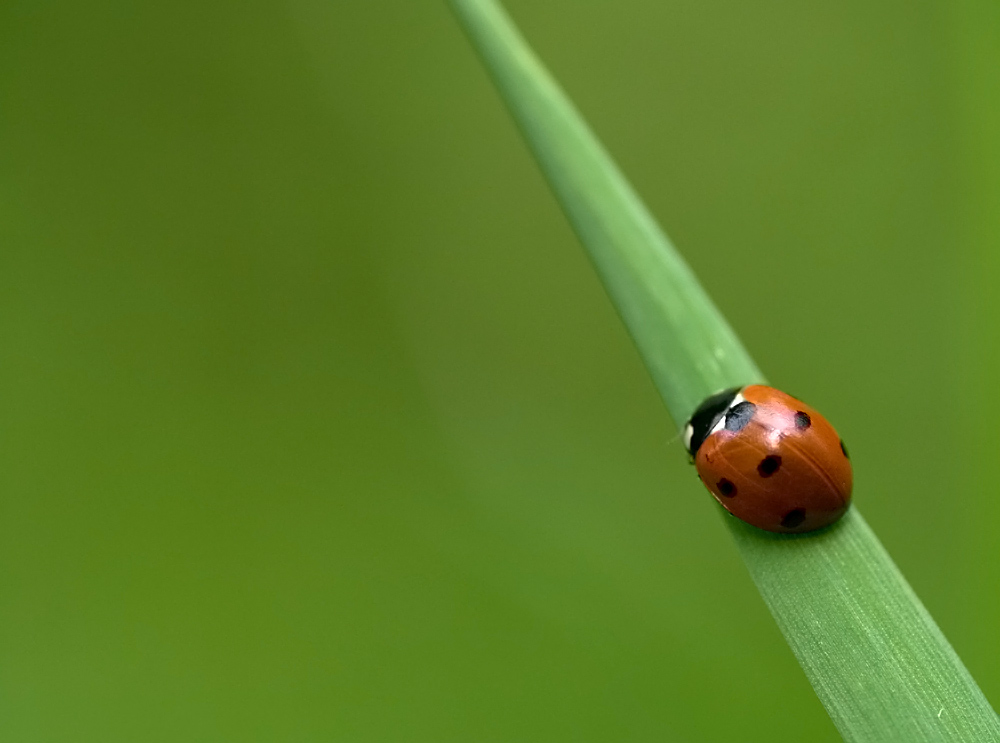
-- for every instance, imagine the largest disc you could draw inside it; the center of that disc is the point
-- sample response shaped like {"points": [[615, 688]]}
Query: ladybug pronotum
{"points": [[770, 459]]}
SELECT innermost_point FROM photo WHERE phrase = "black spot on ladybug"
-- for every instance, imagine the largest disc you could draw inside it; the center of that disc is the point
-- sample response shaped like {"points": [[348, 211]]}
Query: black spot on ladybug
{"points": [[802, 420], [794, 518], [769, 465], [726, 488], [739, 415], [844, 449]]}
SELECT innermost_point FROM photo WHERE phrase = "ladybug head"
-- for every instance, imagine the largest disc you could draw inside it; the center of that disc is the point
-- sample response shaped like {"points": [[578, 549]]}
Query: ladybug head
{"points": [[707, 417]]}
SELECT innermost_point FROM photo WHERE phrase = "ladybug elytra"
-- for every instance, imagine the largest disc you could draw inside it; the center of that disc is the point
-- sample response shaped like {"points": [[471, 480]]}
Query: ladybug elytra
{"points": [[770, 459]]}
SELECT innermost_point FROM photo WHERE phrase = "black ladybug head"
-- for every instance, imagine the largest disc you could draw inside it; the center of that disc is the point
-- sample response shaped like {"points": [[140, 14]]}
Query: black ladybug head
{"points": [[706, 417]]}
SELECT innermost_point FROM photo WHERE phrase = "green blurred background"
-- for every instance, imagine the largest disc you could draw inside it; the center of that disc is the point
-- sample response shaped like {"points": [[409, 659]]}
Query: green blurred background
{"points": [[315, 423]]}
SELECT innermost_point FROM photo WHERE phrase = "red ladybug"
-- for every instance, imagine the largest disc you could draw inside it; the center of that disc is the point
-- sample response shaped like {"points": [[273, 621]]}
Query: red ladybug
{"points": [[770, 460]]}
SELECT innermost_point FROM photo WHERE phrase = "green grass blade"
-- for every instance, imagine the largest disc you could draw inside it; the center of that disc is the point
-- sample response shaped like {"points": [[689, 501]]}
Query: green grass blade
{"points": [[684, 341], [872, 652]]}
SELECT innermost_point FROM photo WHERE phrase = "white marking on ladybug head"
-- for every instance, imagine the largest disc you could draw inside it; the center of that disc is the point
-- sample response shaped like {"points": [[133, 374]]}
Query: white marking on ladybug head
{"points": [[721, 423], [688, 433]]}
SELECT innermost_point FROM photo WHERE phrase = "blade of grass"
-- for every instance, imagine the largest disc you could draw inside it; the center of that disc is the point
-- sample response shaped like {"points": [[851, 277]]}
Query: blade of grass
{"points": [[875, 657]]}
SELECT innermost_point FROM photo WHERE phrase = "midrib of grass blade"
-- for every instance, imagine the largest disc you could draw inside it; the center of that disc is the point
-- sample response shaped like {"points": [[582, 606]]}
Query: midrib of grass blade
{"points": [[873, 654]]}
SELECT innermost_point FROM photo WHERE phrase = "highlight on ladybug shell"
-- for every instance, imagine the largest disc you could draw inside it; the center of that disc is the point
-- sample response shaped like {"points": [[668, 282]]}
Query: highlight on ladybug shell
{"points": [[770, 459]]}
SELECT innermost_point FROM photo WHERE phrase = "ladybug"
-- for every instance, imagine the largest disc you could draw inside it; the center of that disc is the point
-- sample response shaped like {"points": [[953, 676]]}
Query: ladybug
{"points": [[770, 459]]}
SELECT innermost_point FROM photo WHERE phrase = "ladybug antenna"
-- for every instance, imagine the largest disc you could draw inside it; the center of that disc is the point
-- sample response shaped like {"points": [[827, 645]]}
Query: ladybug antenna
{"points": [[675, 438]]}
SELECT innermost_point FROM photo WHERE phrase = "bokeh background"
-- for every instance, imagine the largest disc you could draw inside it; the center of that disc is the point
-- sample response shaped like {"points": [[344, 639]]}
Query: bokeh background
{"points": [[315, 423]]}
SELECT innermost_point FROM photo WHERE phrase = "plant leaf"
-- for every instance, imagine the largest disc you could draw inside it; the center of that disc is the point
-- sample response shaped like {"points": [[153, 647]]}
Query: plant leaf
{"points": [[875, 657]]}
